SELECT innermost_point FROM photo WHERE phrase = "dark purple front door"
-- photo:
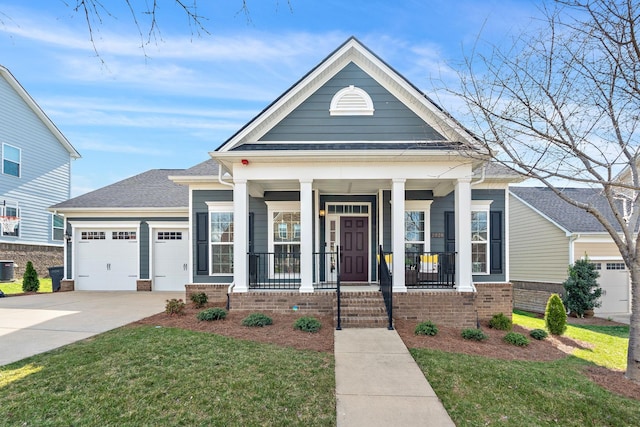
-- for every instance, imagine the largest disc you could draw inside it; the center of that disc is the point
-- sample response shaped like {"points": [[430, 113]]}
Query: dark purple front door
{"points": [[354, 239]]}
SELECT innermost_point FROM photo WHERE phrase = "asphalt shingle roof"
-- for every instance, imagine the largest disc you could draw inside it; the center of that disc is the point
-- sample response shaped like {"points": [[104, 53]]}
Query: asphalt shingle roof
{"points": [[151, 189], [571, 218]]}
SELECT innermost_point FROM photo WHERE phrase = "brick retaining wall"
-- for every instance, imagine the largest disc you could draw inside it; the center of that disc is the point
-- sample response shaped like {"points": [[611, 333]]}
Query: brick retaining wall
{"points": [[215, 292], [456, 309], [311, 304], [493, 298], [42, 257], [533, 296]]}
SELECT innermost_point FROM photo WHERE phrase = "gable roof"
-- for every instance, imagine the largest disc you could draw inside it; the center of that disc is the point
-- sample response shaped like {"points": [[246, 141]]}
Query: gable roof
{"points": [[13, 82], [352, 51], [570, 218], [151, 189]]}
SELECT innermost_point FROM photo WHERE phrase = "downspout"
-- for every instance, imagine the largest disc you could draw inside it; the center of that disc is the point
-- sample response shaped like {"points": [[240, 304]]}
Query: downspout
{"points": [[572, 240], [482, 177], [230, 184]]}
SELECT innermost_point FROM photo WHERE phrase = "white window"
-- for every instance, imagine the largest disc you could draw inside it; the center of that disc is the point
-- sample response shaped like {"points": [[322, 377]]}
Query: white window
{"points": [[169, 235], [351, 101], [92, 235], [480, 237], [10, 209], [416, 230], [616, 266], [57, 225], [10, 160], [284, 237], [221, 238], [123, 235]]}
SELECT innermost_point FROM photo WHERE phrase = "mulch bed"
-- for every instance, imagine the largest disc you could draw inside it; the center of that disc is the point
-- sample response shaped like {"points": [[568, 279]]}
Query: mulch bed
{"points": [[448, 339]]}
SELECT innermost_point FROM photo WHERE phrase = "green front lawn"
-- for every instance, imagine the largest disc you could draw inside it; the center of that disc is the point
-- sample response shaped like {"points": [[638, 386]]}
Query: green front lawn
{"points": [[16, 287], [162, 376]]}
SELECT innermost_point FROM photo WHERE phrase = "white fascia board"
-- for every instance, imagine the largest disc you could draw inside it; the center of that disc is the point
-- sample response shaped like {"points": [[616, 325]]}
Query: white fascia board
{"points": [[120, 212], [600, 237], [566, 232], [168, 224], [33, 105], [195, 179]]}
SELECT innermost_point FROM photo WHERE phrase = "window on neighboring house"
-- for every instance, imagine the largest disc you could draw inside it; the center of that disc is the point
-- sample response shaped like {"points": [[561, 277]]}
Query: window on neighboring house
{"points": [[57, 223], [416, 230], [221, 238], [10, 160], [11, 211], [480, 237], [284, 241]]}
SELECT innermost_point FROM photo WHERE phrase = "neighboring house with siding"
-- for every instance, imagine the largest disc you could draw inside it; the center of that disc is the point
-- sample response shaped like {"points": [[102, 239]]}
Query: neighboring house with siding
{"points": [[352, 158], [35, 173], [548, 234]]}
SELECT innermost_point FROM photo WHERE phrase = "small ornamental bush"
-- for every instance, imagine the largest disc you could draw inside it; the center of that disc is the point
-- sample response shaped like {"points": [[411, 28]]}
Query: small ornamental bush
{"points": [[426, 328], [257, 319], [474, 334], [500, 322], [174, 306], [30, 281], [307, 324], [210, 314], [538, 334], [199, 299], [582, 291], [555, 315], [515, 338]]}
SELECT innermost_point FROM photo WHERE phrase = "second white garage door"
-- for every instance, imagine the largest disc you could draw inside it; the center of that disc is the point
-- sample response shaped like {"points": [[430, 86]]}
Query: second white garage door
{"points": [[106, 259], [170, 259], [614, 281]]}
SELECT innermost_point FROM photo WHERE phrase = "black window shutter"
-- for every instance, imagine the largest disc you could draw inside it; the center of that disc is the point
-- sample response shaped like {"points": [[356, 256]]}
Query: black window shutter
{"points": [[202, 243], [495, 242]]}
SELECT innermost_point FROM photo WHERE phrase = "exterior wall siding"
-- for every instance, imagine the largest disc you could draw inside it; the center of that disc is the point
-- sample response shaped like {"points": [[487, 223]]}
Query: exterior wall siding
{"points": [[392, 120], [44, 169], [199, 205], [539, 250], [608, 249]]}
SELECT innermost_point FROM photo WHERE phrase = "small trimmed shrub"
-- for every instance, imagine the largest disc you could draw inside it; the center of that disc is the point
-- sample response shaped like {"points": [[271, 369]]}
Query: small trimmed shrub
{"points": [[582, 291], [555, 315], [500, 322], [257, 320], [426, 328], [210, 314], [538, 334], [515, 338], [474, 334], [199, 299], [174, 306], [307, 324], [30, 281]]}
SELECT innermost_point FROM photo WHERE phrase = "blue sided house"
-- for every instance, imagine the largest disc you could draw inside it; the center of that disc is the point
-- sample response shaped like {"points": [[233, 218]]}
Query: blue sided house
{"points": [[352, 178]]}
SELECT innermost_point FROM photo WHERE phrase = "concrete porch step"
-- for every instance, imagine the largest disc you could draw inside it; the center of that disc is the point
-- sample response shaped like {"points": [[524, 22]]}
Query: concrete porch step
{"points": [[362, 310]]}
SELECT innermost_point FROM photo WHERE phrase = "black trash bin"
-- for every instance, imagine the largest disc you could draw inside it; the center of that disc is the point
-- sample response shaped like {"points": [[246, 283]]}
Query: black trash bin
{"points": [[6, 271], [56, 274]]}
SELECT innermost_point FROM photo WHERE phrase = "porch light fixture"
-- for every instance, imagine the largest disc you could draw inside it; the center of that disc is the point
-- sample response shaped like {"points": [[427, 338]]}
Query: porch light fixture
{"points": [[67, 236], [322, 212], [245, 162]]}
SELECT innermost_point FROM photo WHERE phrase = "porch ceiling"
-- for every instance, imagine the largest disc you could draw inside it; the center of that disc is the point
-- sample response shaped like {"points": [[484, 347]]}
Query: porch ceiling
{"points": [[343, 186]]}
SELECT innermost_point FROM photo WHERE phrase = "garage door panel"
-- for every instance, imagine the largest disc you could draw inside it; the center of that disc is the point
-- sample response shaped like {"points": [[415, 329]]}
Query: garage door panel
{"points": [[614, 282], [170, 259]]}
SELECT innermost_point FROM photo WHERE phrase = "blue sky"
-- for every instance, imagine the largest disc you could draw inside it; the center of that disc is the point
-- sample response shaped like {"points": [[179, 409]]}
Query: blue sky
{"points": [[168, 105]]}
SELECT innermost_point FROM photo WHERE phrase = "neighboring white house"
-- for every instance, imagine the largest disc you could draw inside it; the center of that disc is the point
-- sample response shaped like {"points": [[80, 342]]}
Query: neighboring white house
{"points": [[352, 158], [548, 234], [34, 174]]}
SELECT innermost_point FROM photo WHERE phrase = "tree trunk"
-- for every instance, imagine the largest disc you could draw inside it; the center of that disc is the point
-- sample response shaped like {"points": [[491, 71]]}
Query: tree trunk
{"points": [[633, 357]]}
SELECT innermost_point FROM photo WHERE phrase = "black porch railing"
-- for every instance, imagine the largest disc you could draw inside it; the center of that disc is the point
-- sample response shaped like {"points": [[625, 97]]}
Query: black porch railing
{"points": [[281, 270], [386, 286], [430, 270]]}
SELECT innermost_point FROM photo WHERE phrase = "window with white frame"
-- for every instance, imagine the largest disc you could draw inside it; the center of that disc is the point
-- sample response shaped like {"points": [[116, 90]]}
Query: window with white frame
{"points": [[11, 160], [416, 230], [221, 238], [480, 237], [10, 209], [57, 227], [284, 237]]}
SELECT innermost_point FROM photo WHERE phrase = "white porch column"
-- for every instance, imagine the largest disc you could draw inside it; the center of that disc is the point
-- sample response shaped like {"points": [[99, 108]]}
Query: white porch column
{"points": [[397, 234], [464, 279], [240, 236], [306, 235]]}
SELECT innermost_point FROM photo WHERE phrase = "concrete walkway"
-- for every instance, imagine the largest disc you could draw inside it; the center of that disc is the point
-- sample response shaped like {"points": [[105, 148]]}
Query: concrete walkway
{"points": [[379, 384], [33, 324]]}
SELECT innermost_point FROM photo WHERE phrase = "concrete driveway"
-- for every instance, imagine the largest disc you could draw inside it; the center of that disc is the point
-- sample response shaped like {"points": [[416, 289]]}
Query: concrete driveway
{"points": [[34, 324]]}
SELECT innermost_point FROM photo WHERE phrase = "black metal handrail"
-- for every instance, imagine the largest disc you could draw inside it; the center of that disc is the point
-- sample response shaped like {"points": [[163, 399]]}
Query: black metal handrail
{"points": [[430, 269], [338, 291], [281, 270], [386, 286]]}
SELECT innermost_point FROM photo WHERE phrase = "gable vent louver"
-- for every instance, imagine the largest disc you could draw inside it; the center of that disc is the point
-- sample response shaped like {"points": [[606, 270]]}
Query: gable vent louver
{"points": [[351, 101]]}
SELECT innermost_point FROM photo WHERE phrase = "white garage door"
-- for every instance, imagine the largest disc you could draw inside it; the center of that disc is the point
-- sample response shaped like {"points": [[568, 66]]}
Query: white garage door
{"points": [[106, 259], [614, 281], [170, 259]]}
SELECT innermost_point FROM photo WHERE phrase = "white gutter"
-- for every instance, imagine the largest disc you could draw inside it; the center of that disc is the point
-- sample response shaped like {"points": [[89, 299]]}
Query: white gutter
{"points": [[482, 177], [220, 179]]}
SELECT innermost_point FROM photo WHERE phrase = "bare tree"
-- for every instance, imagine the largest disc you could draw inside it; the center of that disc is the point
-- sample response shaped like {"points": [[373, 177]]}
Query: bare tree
{"points": [[562, 106]]}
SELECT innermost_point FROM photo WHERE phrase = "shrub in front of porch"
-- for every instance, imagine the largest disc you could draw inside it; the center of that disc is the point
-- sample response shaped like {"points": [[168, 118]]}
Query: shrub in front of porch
{"points": [[474, 334], [500, 322], [555, 316], [211, 314], [174, 306], [199, 299], [426, 328], [307, 324], [257, 320], [516, 339]]}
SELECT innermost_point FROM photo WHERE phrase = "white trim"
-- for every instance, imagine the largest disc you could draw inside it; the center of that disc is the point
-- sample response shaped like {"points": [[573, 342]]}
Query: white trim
{"points": [[103, 224], [53, 227], [352, 107], [4, 144], [220, 207], [483, 206], [279, 206], [420, 206], [506, 224]]}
